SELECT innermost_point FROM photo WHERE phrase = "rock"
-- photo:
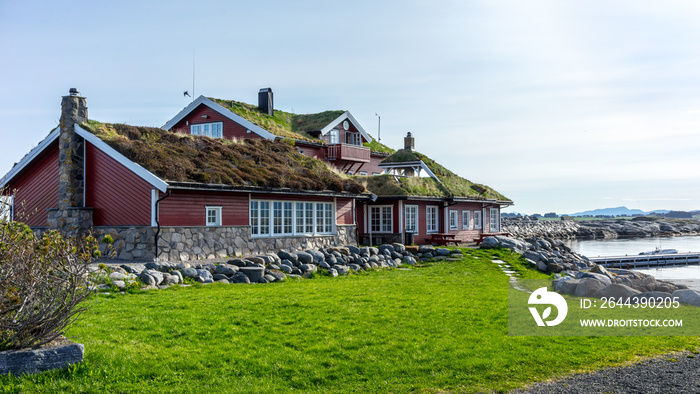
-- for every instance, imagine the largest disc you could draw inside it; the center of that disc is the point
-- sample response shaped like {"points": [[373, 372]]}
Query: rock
{"points": [[308, 268], [205, 275], [605, 280], [43, 358], [442, 251], [384, 248], [412, 248], [568, 286], [262, 280], [258, 260], [541, 265], [409, 260], [286, 269], [129, 269], [332, 272], [488, 243], [220, 277], [188, 272], [253, 273], [226, 269], [238, 263], [325, 265], [400, 248], [178, 275], [239, 278], [616, 291], [342, 250], [687, 296], [269, 278], [353, 249], [224, 281], [169, 280], [304, 257], [341, 269], [118, 276], [665, 287], [147, 279], [555, 267], [426, 249], [119, 283], [316, 255], [354, 267], [157, 275], [656, 295], [288, 256], [588, 286], [278, 276]]}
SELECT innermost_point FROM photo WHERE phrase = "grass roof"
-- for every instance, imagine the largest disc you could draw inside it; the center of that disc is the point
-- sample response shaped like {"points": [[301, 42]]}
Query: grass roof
{"points": [[179, 157], [283, 124], [450, 185]]}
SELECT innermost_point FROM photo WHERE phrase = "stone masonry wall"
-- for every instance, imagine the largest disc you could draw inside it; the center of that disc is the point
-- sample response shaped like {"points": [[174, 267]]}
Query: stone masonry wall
{"points": [[192, 243]]}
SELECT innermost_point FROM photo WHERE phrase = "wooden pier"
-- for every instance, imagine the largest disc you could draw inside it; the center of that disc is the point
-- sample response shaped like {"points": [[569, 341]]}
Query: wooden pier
{"points": [[648, 260]]}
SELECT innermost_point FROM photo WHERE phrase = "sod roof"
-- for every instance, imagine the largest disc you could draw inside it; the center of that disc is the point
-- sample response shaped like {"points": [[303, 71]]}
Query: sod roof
{"points": [[176, 157], [450, 185]]}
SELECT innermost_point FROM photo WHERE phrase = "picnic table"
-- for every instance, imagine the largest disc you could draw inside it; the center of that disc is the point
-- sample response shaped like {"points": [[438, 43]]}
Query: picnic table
{"points": [[443, 239]]}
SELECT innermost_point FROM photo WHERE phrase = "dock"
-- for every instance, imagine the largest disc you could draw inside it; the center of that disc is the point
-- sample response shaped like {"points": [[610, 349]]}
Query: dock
{"points": [[648, 260]]}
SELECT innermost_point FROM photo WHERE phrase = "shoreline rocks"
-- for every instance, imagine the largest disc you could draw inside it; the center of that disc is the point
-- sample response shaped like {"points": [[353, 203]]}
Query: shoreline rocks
{"points": [[640, 227]]}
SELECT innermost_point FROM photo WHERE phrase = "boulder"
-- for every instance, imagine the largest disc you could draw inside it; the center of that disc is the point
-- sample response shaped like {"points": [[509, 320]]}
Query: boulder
{"points": [[426, 249], [258, 260], [286, 269], [253, 273], [308, 268], [687, 296], [588, 286], [304, 257], [353, 249], [616, 291], [170, 279], [333, 272], [118, 276], [409, 260], [219, 277], [278, 276], [239, 278], [342, 250], [157, 275], [287, 256], [226, 269], [341, 269], [205, 275], [605, 280], [384, 248], [269, 278], [400, 248], [316, 255], [487, 243], [147, 279], [238, 262], [568, 286]]}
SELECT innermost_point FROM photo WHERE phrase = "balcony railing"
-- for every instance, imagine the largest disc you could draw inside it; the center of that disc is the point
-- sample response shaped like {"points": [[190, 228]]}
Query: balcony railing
{"points": [[348, 153]]}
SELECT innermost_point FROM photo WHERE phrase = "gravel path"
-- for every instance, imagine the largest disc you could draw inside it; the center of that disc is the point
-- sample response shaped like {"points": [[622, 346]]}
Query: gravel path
{"points": [[675, 373]]}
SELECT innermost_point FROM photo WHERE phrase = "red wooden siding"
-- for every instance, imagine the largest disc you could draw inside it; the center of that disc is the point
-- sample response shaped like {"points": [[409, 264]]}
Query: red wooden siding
{"points": [[231, 129], [318, 152], [119, 197], [37, 187], [188, 208], [344, 213]]}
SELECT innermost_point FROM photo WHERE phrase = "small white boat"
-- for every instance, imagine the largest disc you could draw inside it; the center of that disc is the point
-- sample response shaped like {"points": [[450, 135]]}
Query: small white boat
{"points": [[660, 251]]}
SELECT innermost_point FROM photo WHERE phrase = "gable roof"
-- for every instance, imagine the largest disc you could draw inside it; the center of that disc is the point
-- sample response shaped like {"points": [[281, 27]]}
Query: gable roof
{"points": [[201, 100], [281, 125], [181, 159], [29, 157], [443, 183]]}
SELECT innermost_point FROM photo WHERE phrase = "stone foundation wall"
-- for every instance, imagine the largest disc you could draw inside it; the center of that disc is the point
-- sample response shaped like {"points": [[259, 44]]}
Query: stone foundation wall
{"points": [[192, 243], [71, 221]]}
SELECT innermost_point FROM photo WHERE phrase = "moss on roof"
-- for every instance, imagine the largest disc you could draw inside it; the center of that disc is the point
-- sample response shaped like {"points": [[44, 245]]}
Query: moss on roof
{"points": [[179, 157], [283, 124], [376, 146], [450, 185]]}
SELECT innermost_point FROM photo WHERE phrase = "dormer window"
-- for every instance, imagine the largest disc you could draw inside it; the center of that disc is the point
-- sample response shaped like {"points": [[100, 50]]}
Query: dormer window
{"points": [[214, 129]]}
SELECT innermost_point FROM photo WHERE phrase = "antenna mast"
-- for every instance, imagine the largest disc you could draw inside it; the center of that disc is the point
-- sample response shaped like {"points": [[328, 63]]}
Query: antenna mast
{"points": [[193, 95], [379, 126]]}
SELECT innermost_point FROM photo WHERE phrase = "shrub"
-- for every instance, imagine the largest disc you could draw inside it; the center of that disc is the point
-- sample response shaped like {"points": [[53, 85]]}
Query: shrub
{"points": [[42, 282]]}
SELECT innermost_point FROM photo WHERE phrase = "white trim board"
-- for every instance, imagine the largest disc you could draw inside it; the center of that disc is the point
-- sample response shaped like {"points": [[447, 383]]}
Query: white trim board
{"points": [[121, 159], [346, 115], [29, 157], [223, 111]]}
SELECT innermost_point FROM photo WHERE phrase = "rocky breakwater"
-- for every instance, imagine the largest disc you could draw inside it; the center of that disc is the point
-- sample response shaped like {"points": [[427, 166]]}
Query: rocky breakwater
{"points": [[591, 229], [267, 268], [574, 274]]}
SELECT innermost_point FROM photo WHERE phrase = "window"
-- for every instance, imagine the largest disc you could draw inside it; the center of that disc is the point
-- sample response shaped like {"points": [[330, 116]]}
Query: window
{"points": [[363, 173], [477, 220], [214, 130], [466, 220], [213, 216], [375, 173], [333, 137], [411, 218], [291, 218], [381, 219], [431, 219], [495, 220], [454, 220]]}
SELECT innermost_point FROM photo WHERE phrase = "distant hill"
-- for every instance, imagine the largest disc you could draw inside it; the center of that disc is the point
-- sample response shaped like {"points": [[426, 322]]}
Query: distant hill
{"points": [[619, 211]]}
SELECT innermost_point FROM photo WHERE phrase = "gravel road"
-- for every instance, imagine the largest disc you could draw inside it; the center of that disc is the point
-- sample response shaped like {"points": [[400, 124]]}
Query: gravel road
{"points": [[675, 373]]}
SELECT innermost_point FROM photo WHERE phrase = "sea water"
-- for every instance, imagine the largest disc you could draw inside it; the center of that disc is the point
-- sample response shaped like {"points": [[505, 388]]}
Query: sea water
{"points": [[634, 246]]}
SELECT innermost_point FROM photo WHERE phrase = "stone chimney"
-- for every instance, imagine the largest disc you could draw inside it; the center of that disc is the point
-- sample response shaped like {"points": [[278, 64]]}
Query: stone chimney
{"points": [[265, 101], [408, 142], [71, 217]]}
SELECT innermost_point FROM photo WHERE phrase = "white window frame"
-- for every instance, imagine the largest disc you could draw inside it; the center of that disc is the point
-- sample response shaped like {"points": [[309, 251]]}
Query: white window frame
{"points": [[211, 129], [477, 220], [411, 218], [216, 210], [363, 173], [434, 226], [454, 219], [278, 218], [466, 220], [385, 219], [494, 220], [334, 136]]}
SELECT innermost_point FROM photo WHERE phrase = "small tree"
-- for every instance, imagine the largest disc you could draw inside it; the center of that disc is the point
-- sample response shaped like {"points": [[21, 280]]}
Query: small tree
{"points": [[42, 282]]}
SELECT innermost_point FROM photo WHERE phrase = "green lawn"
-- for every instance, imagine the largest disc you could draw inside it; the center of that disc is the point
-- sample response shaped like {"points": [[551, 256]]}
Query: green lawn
{"points": [[437, 328]]}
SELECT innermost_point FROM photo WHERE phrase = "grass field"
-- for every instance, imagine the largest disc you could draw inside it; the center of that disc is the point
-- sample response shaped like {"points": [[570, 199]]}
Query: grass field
{"points": [[438, 328]]}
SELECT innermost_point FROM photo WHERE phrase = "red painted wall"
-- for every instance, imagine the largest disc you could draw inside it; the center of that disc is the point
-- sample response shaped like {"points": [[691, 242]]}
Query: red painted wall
{"points": [[344, 211], [231, 129], [311, 150], [37, 187], [119, 197], [188, 208]]}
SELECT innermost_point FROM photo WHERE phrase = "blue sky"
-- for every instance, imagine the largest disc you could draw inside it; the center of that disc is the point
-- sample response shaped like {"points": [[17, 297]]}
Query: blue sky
{"points": [[562, 106]]}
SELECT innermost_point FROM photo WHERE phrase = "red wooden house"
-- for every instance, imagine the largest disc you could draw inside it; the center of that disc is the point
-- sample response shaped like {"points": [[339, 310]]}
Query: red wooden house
{"points": [[332, 136], [420, 202], [200, 197]]}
